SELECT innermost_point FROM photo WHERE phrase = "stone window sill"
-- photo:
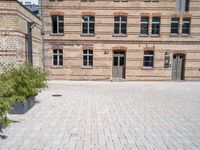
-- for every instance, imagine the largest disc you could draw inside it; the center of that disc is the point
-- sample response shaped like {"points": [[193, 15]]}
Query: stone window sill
{"points": [[143, 35], [57, 67], [173, 35], [87, 35], [155, 35], [185, 35], [147, 68], [119, 35], [57, 34], [87, 67]]}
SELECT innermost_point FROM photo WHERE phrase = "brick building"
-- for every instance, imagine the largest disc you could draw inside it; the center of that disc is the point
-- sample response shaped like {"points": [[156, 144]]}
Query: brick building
{"points": [[20, 35], [125, 39]]}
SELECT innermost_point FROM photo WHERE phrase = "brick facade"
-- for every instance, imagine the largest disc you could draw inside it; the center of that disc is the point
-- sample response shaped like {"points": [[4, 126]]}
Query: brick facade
{"points": [[104, 42], [14, 37]]}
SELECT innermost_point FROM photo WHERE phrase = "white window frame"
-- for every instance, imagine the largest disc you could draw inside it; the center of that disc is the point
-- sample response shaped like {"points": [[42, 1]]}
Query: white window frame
{"points": [[88, 24], [58, 21], [120, 22], [144, 23], [186, 22], [88, 54], [148, 55], [177, 21], [58, 53], [155, 23]]}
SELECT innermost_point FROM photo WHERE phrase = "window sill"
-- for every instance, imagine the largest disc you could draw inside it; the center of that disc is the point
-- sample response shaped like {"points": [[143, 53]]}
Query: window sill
{"points": [[57, 67], [87, 67], [155, 35], [57, 34], [119, 35], [185, 35], [147, 68], [87, 35], [173, 35], [143, 35]]}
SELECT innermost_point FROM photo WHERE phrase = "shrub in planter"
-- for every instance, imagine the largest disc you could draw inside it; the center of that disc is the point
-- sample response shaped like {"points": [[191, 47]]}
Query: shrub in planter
{"points": [[17, 85]]}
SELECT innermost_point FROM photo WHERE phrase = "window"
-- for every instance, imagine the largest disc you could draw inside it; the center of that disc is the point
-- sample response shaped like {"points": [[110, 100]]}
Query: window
{"points": [[144, 29], [148, 58], [57, 57], [120, 24], [88, 58], [174, 25], [186, 26], [88, 24], [155, 25], [57, 24], [182, 5]]}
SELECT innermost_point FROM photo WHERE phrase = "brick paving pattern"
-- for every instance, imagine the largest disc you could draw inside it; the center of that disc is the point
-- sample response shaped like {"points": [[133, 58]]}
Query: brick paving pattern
{"points": [[110, 116]]}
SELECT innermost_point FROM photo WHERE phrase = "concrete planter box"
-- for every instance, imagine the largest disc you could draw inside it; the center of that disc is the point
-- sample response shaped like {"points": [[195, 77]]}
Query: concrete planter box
{"points": [[23, 107]]}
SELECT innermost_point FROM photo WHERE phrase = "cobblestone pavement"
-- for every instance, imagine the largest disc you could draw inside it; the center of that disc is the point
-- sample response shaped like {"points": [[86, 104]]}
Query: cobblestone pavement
{"points": [[110, 116]]}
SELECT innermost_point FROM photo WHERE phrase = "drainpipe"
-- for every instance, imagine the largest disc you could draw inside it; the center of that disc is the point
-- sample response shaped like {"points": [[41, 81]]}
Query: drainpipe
{"points": [[30, 26], [42, 33]]}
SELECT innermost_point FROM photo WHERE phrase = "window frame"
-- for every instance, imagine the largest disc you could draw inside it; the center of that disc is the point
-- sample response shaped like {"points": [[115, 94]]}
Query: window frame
{"points": [[177, 23], [155, 23], [188, 21], [58, 21], [148, 55], [144, 23], [88, 22], [120, 22], [88, 54], [59, 57]]}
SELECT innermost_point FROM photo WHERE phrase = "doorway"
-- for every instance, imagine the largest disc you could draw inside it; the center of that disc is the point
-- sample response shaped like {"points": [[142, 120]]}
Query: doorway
{"points": [[178, 67], [118, 68]]}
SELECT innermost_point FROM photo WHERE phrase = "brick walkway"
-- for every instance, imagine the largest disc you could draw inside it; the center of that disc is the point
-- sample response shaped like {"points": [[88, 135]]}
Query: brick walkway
{"points": [[110, 116]]}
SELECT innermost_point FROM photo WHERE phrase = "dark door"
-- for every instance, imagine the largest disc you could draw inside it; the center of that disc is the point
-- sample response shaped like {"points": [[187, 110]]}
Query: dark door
{"points": [[118, 69], [178, 67]]}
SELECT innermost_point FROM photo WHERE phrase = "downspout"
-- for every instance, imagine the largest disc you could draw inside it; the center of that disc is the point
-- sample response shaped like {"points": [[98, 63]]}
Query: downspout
{"points": [[42, 33], [30, 25]]}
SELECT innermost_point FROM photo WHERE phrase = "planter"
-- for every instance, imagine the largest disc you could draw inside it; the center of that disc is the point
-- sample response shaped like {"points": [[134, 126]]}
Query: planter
{"points": [[23, 107]]}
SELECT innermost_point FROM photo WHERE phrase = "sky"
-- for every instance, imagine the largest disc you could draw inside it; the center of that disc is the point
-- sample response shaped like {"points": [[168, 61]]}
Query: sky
{"points": [[33, 1]]}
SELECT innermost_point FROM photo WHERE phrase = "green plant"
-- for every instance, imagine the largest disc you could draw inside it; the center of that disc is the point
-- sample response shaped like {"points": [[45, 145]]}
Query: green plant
{"points": [[17, 84]]}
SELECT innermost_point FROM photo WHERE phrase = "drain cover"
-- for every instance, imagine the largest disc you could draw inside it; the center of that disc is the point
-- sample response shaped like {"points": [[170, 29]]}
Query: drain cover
{"points": [[56, 95]]}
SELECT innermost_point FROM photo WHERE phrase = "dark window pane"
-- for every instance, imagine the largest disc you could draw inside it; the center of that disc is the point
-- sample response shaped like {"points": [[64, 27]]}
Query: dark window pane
{"points": [[116, 31], [123, 18], [144, 19], [84, 25], [117, 18], [156, 19], [148, 52], [84, 63], [84, 18], [115, 61], [54, 24], [91, 31], [123, 31], [91, 18], [85, 31], [121, 61]]}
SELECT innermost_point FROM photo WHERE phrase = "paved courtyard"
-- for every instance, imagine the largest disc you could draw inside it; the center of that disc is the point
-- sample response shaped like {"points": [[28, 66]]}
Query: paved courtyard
{"points": [[110, 116]]}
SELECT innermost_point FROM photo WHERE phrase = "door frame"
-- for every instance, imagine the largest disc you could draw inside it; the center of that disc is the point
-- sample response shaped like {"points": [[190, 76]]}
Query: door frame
{"points": [[119, 50], [183, 65]]}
